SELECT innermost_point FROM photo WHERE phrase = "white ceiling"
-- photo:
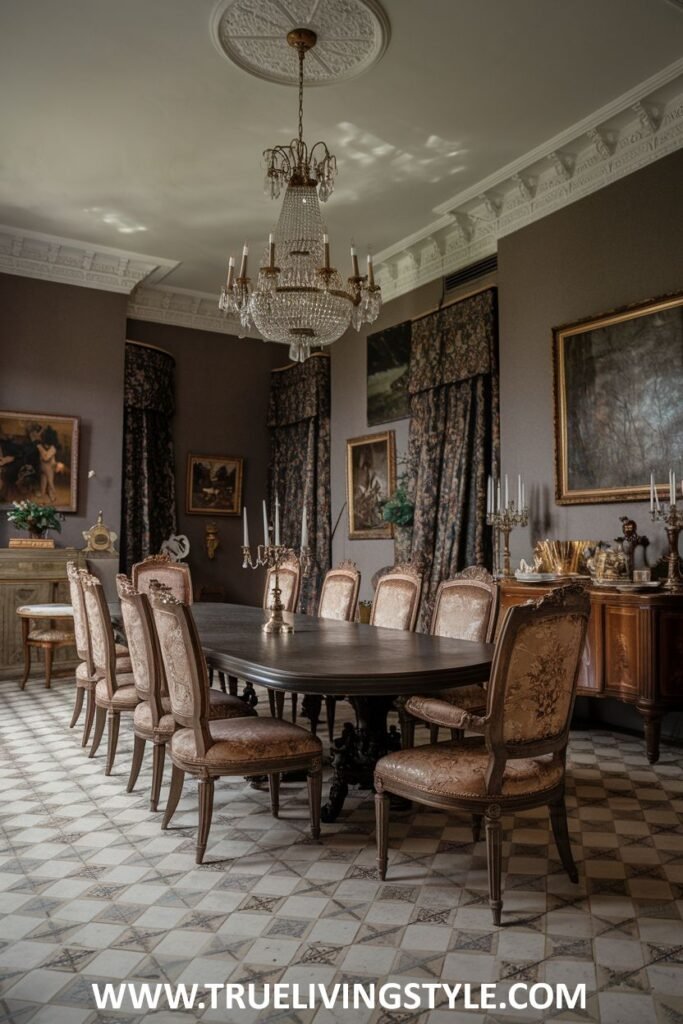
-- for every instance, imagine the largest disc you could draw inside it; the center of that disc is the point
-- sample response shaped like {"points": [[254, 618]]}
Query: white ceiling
{"points": [[122, 126]]}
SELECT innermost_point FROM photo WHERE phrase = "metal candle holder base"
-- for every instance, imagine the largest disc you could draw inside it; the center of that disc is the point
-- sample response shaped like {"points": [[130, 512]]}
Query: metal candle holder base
{"points": [[273, 556], [504, 522], [673, 524]]}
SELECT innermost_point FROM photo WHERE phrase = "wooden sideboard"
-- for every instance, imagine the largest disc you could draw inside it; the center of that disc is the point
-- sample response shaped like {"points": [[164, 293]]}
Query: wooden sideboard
{"points": [[634, 650], [30, 577]]}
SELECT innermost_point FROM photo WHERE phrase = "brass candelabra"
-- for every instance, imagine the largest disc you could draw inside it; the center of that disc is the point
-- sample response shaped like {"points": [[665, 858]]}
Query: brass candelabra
{"points": [[672, 519], [504, 521], [274, 556]]}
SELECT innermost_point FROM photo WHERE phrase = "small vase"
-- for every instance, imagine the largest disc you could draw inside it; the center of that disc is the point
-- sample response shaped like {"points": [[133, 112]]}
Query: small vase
{"points": [[36, 534], [403, 542]]}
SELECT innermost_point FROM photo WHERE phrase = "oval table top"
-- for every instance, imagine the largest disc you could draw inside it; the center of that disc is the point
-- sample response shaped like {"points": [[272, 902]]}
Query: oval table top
{"points": [[335, 658]]}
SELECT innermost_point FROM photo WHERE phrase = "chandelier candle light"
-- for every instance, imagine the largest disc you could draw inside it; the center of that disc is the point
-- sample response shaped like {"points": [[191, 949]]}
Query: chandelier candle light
{"points": [[273, 556], [300, 299], [673, 524], [505, 515]]}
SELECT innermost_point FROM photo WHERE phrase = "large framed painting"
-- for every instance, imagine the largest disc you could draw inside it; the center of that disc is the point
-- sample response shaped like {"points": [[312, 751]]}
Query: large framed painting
{"points": [[618, 408], [39, 459], [214, 485], [370, 481], [387, 376]]}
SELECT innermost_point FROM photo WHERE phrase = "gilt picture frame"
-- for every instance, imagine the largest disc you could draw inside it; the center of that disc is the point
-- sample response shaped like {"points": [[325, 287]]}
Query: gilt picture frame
{"points": [[39, 459], [370, 481], [618, 415], [214, 485]]}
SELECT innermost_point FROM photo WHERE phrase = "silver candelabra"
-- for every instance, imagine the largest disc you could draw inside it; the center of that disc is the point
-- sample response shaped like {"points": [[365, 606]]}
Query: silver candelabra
{"points": [[504, 520], [273, 557], [673, 524]]}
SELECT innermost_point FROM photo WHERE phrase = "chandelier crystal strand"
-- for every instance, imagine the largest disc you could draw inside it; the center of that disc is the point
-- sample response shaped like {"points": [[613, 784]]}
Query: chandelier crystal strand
{"points": [[299, 299]]}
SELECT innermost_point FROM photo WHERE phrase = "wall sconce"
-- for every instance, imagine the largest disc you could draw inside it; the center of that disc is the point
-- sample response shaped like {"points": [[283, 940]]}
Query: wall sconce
{"points": [[211, 540]]}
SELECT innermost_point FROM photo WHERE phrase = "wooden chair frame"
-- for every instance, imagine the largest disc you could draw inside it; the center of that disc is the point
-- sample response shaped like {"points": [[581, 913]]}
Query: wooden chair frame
{"points": [[148, 569]]}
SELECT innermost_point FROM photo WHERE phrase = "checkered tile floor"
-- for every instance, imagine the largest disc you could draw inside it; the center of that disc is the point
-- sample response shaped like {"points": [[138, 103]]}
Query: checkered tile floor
{"points": [[91, 889]]}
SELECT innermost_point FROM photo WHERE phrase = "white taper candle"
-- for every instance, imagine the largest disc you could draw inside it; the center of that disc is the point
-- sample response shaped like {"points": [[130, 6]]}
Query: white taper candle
{"points": [[266, 536], [245, 542]]}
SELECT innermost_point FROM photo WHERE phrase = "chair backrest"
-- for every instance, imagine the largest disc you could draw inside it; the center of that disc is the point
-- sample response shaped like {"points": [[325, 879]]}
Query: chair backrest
{"points": [[465, 606], [100, 630], [339, 594], [533, 677], [184, 665], [397, 599], [80, 619], [143, 645], [290, 581], [174, 575]]}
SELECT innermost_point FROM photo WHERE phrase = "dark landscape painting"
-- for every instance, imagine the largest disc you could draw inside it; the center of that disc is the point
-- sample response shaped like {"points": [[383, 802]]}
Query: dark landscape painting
{"points": [[388, 361]]}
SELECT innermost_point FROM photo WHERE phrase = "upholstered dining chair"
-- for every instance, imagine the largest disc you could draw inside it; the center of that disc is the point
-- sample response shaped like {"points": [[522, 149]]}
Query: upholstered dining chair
{"points": [[465, 608], [175, 575], [397, 598], [338, 600], [227, 747], [290, 585], [152, 717], [86, 676], [517, 760], [115, 692]]}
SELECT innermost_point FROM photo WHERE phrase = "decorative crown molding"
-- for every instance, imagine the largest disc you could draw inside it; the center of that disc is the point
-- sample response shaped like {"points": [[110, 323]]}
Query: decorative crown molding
{"points": [[183, 307], [633, 131], [68, 261]]}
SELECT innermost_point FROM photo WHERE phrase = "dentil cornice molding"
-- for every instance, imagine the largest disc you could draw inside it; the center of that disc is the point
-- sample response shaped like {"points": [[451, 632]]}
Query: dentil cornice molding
{"points": [[183, 307], [68, 261], [631, 132]]}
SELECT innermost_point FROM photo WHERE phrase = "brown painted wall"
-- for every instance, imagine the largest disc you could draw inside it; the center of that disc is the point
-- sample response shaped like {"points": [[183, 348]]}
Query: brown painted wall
{"points": [[61, 351], [619, 246], [222, 385]]}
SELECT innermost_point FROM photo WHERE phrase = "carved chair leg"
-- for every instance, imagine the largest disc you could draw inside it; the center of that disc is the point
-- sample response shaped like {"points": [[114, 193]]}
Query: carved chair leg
{"points": [[274, 780], [49, 654], [89, 717], [408, 724], [78, 706], [221, 681], [210, 673], [279, 704], [100, 722], [136, 764], [382, 826], [477, 821], [558, 820], [494, 855], [113, 722], [232, 685], [312, 706], [457, 735], [25, 629], [330, 713], [315, 792], [176, 788], [271, 701], [158, 755], [294, 707], [433, 734], [205, 815]]}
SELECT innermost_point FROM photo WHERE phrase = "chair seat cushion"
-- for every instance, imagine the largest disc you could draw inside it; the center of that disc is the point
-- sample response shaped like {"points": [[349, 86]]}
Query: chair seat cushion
{"points": [[247, 745], [83, 677], [124, 666], [121, 650], [58, 636], [223, 705], [125, 698], [458, 770], [142, 721]]}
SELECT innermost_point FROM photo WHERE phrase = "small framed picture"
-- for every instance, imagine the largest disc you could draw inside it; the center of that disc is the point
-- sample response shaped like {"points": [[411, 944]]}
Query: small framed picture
{"points": [[370, 481], [39, 459], [214, 485]]}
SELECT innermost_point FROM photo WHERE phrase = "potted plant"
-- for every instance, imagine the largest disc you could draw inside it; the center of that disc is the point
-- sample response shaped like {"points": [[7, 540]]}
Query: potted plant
{"points": [[400, 510], [36, 519]]}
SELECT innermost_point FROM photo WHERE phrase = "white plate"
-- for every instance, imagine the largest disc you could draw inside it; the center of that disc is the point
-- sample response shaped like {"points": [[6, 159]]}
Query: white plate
{"points": [[535, 577], [645, 585]]}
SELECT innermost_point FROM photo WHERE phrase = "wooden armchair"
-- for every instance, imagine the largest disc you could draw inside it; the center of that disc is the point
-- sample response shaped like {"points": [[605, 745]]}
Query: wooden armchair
{"points": [[464, 609], [225, 747], [518, 759], [174, 575]]}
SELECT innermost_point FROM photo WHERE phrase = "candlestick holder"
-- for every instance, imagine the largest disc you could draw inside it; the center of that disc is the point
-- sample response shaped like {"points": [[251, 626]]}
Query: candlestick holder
{"points": [[504, 521], [673, 524], [273, 557]]}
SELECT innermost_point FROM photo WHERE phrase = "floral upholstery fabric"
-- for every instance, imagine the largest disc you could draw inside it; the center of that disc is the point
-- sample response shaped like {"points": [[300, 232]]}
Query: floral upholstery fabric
{"points": [[176, 577], [223, 705], [142, 722], [459, 770], [246, 744], [80, 621], [337, 598], [463, 613], [394, 604], [123, 699], [539, 680], [177, 665], [468, 698], [140, 657], [83, 677], [289, 581], [52, 635]]}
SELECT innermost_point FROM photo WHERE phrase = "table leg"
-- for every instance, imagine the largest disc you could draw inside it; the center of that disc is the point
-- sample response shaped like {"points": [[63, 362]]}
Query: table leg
{"points": [[357, 751], [25, 630], [653, 728]]}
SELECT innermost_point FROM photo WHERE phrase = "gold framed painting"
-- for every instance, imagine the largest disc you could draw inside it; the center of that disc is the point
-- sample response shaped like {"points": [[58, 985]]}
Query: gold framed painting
{"points": [[39, 459], [370, 481], [618, 379], [214, 485]]}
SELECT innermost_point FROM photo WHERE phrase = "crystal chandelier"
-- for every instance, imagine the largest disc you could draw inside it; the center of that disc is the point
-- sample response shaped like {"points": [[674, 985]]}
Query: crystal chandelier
{"points": [[299, 299]]}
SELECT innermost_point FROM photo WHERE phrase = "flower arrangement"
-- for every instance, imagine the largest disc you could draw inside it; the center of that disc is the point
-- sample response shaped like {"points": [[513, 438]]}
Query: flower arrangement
{"points": [[37, 519]]}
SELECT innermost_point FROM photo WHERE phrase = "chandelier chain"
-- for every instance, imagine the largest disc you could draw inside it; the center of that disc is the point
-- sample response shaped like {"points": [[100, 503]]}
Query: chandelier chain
{"points": [[302, 53]]}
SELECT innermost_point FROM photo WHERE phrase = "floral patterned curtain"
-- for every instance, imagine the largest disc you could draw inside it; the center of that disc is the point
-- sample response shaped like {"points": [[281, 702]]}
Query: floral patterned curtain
{"points": [[454, 437], [148, 513], [299, 421]]}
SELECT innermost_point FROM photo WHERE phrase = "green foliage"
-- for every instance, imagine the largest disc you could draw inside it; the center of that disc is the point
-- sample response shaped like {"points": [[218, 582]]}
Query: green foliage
{"points": [[29, 515], [399, 509]]}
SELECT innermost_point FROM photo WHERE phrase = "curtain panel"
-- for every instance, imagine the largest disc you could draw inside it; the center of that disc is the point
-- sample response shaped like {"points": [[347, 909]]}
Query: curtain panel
{"points": [[299, 422], [454, 437], [148, 514]]}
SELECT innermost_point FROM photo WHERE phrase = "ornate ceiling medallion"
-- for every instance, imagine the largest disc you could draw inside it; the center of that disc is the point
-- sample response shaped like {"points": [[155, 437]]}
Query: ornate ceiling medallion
{"points": [[351, 36]]}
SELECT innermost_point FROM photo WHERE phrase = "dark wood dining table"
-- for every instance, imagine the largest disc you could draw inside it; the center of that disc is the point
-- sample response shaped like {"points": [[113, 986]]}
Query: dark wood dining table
{"points": [[368, 665]]}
